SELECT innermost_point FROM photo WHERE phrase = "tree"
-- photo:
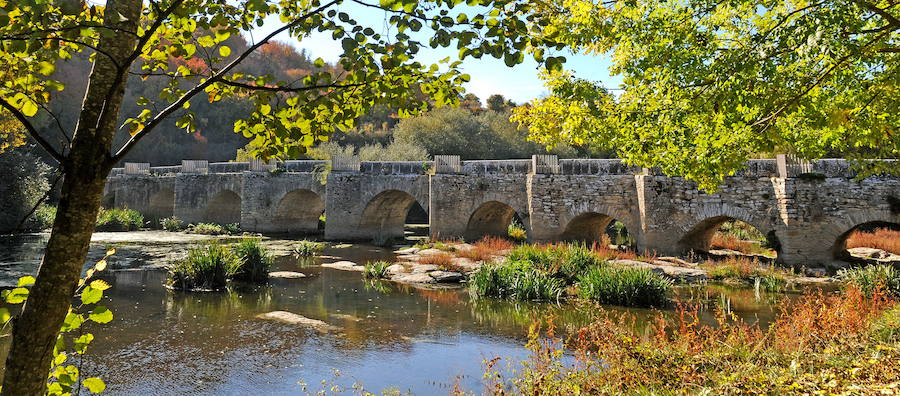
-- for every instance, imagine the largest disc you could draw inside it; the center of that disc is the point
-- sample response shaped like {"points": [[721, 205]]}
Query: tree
{"points": [[708, 84], [499, 103], [287, 115]]}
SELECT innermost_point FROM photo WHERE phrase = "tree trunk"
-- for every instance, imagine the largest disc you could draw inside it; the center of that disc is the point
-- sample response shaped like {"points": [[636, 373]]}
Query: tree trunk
{"points": [[86, 168]]}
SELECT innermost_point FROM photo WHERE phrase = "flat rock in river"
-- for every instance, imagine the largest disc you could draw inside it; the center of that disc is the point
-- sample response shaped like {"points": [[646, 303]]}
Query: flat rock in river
{"points": [[286, 275], [420, 277], [446, 276], [345, 266], [295, 319]]}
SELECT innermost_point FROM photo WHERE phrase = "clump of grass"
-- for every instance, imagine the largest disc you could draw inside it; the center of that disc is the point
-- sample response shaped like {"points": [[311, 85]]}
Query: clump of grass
{"points": [[206, 267], [233, 228], [254, 261], [626, 286], [435, 244], [171, 224], [566, 261], [518, 281], [441, 259], [207, 229], [307, 248], [119, 220], [486, 248], [376, 269], [516, 232], [870, 278], [882, 238], [748, 271]]}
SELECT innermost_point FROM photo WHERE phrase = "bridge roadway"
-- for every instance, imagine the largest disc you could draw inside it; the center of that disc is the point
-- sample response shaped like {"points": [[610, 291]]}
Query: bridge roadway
{"points": [[809, 209]]}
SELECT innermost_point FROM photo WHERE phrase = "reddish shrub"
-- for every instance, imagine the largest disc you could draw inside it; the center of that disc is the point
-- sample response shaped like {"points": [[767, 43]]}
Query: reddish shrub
{"points": [[882, 238]]}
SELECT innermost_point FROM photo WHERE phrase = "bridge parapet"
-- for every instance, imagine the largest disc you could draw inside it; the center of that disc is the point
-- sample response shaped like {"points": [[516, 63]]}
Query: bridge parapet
{"points": [[497, 166], [596, 167], [304, 166], [394, 167]]}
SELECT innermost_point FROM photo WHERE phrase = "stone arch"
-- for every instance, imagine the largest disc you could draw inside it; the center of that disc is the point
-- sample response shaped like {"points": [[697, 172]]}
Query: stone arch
{"points": [[839, 248], [587, 227], [299, 211], [491, 218], [700, 236], [161, 204], [223, 208], [385, 214]]}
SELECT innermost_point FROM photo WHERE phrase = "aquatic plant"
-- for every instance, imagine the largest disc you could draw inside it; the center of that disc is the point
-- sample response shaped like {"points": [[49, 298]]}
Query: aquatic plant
{"points": [[117, 219], [307, 248], [376, 269], [171, 224], [207, 229], [748, 271], [881, 238], [872, 277], [626, 286], [566, 261], [254, 261], [843, 342], [206, 267], [516, 280]]}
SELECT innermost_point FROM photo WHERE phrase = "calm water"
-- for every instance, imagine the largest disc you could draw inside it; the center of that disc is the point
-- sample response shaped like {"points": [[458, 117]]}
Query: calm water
{"points": [[390, 336]]}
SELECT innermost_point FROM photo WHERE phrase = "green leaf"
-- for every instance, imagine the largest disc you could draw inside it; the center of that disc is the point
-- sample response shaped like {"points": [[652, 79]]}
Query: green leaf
{"points": [[101, 314], [91, 295], [17, 295], [94, 384]]}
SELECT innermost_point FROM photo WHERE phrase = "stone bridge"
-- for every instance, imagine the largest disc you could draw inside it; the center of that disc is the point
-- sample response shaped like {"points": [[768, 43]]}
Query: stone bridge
{"points": [[810, 209]]}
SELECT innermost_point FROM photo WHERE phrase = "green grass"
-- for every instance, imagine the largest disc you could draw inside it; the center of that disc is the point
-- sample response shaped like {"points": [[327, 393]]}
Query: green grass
{"points": [[563, 261], [871, 277], [207, 229], [517, 281], [376, 269], [206, 267], [306, 248], [626, 286], [254, 261], [171, 224], [119, 220], [433, 244]]}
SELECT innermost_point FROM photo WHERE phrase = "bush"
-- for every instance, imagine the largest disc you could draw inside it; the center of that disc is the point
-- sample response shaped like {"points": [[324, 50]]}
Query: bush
{"points": [[627, 286], [119, 220], [206, 267], [43, 217], [233, 228], [518, 281], [171, 224], [24, 182], [871, 277], [516, 232], [207, 229], [254, 261], [376, 269], [307, 248]]}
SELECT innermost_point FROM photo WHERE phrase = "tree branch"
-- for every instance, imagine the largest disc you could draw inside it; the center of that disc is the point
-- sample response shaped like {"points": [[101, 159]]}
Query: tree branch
{"points": [[892, 20], [129, 145], [288, 89], [32, 131]]}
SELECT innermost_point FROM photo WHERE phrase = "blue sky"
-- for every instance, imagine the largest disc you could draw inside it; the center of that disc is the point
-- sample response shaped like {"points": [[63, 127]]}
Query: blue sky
{"points": [[489, 75]]}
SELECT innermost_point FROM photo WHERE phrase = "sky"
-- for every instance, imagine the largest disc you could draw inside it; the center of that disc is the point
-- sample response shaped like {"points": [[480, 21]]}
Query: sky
{"points": [[489, 75]]}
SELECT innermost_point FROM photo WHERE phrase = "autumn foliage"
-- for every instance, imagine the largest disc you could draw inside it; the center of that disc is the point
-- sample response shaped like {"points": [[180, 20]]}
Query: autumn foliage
{"points": [[882, 238]]}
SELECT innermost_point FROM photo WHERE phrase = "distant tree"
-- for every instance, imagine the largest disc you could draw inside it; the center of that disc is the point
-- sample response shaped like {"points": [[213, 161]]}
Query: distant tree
{"points": [[138, 38], [22, 186], [471, 102], [708, 84], [499, 103]]}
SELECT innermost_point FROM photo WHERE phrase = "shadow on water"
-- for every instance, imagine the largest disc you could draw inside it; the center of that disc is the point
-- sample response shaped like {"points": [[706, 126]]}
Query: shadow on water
{"points": [[421, 340]]}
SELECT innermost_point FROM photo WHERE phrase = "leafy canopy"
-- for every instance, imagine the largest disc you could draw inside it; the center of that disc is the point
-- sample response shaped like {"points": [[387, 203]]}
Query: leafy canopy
{"points": [[377, 66], [709, 84]]}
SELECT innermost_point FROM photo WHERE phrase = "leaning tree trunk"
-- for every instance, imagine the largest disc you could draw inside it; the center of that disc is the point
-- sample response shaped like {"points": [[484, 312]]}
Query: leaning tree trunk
{"points": [[86, 168]]}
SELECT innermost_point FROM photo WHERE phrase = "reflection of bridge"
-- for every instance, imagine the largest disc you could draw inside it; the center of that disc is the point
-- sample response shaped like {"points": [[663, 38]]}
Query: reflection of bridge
{"points": [[810, 214]]}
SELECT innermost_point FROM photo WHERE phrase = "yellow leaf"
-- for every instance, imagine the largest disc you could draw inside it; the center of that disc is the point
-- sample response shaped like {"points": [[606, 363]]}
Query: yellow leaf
{"points": [[101, 265], [111, 252], [100, 285]]}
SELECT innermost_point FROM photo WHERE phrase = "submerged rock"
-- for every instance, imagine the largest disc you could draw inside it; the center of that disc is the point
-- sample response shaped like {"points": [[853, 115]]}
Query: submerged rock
{"points": [[344, 266], [286, 275], [446, 276], [295, 319]]}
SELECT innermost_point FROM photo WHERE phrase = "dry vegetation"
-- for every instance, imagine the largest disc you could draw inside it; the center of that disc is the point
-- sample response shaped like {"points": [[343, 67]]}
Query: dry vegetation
{"points": [[882, 238]]}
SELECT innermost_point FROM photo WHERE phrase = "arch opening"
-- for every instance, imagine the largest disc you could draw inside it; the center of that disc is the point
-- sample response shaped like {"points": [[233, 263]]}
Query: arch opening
{"points": [[593, 227], [161, 205], [724, 236], [869, 243], [299, 211], [495, 219], [109, 200], [224, 208], [393, 214]]}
